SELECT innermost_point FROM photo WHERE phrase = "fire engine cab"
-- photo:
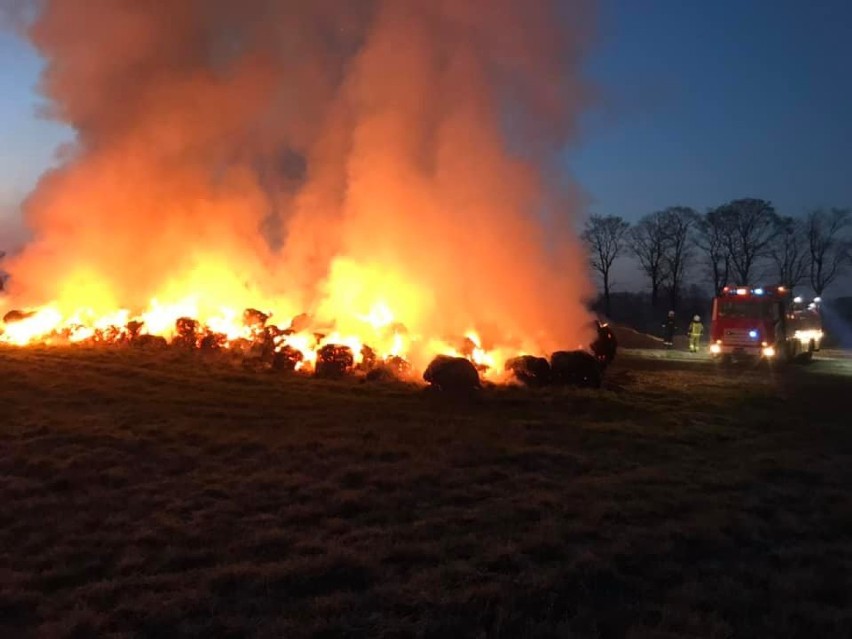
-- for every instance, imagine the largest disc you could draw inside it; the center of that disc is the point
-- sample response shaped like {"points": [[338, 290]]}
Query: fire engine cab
{"points": [[764, 323]]}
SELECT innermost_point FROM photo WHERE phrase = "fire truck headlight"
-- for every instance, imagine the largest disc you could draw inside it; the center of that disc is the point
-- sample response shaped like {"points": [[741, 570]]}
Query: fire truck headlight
{"points": [[715, 349], [806, 336], [752, 334], [769, 351]]}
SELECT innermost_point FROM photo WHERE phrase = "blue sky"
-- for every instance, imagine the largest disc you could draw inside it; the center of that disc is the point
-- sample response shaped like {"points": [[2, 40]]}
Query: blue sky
{"points": [[27, 143], [700, 103], [703, 102]]}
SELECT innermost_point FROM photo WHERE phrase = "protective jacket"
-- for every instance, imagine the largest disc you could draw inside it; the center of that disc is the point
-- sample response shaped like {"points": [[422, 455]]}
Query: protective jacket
{"points": [[695, 329], [669, 330]]}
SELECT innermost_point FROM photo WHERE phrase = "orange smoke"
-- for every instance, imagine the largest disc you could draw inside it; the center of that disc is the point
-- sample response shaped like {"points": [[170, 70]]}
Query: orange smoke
{"points": [[376, 163]]}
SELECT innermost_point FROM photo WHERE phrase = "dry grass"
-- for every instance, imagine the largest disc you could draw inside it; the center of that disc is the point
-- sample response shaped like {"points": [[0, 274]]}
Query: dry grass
{"points": [[168, 495]]}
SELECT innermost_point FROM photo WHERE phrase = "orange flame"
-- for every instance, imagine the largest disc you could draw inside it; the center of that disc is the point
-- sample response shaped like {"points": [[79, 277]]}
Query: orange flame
{"points": [[390, 172]]}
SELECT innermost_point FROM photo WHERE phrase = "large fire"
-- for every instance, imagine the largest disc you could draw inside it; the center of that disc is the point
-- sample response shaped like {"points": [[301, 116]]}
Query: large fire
{"points": [[376, 339], [381, 177]]}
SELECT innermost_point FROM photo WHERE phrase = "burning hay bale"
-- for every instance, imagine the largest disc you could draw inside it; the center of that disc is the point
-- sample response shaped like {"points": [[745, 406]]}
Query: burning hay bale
{"points": [[133, 330], [287, 359], [240, 346], [381, 373], [530, 370], [17, 316], [212, 341], [369, 359], [389, 370], [254, 318], [455, 375], [258, 354], [575, 368], [187, 332], [334, 361], [109, 335], [605, 345], [273, 332], [153, 342], [264, 346], [398, 365]]}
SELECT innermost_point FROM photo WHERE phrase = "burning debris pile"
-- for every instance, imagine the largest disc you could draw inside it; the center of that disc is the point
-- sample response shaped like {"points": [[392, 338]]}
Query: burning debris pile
{"points": [[394, 169], [302, 347], [568, 368]]}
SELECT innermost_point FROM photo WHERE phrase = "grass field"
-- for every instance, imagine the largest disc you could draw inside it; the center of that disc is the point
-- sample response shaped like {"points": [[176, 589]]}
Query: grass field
{"points": [[154, 495]]}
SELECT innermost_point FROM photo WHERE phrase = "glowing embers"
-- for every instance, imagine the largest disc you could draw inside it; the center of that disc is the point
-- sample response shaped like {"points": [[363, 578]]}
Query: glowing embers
{"points": [[23, 327], [380, 349], [530, 370]]}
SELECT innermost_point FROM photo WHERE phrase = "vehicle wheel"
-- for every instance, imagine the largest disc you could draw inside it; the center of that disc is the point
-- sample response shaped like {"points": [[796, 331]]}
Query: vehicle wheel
{"points": [[790, 351], [806, 356]]}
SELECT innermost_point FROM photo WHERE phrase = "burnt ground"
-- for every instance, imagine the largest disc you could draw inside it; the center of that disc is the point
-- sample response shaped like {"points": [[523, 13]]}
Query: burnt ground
{"points": [[173, 495]]}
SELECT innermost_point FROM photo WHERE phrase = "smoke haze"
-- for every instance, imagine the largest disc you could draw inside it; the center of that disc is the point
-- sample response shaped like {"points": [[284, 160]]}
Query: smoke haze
{"points": [[319, 156]]}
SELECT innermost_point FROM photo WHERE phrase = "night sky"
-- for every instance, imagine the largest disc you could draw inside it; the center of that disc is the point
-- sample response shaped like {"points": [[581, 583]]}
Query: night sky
{"points": [[704, 102]]}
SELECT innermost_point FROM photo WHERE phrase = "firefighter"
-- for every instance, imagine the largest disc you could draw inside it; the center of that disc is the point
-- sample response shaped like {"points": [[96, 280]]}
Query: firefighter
{"points": [[696, 328], [669, 330], [605, 344]]}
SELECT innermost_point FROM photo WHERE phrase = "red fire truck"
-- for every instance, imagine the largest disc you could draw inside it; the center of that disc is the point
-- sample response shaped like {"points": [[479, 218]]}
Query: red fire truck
{"points": [[764, 323]]}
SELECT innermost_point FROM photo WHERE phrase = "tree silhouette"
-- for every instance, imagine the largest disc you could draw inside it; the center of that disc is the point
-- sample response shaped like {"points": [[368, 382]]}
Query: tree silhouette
{"points": [[789, 252], [647, 241], [750, 226], [605, 238], [679, 223], [712, 239], [828, 246]]}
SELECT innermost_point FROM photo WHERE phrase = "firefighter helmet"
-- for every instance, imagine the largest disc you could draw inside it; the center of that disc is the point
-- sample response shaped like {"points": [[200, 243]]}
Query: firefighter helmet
{"points": [[696, 319]]}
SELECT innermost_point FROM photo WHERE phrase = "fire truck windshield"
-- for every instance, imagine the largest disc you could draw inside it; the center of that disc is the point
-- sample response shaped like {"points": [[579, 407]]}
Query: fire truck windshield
{"points": [[750, 309]]}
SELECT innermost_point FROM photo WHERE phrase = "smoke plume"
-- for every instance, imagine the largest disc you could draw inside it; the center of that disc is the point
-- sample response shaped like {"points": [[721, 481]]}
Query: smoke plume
{"points": [[319, 156]]}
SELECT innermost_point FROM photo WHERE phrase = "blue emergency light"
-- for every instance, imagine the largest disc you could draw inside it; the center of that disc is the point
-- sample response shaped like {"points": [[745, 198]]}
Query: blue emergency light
{"points": [[760, 290], [753, 334]]}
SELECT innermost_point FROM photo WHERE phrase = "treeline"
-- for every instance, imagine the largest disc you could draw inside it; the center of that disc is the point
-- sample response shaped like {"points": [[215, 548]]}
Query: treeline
{"points": [[742, 242]]}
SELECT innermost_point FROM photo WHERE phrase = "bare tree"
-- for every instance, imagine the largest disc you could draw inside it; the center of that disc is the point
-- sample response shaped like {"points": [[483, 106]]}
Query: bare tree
{"points": [[750, 227], [647, 241], [711, 237], [789, 252], [679, 223], [605, 238], [828, 246]]}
